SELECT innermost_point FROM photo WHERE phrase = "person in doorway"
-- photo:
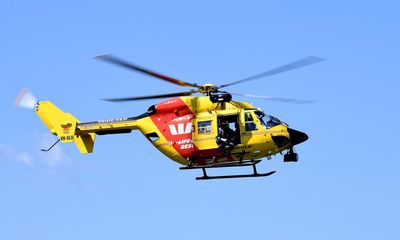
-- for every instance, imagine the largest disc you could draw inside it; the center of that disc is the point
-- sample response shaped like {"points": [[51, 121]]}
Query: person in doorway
{"points": [[226, 137]]}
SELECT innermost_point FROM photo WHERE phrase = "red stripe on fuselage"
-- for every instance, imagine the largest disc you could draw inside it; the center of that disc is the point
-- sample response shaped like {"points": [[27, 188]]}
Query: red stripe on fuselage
{"points": [[173, 119]]}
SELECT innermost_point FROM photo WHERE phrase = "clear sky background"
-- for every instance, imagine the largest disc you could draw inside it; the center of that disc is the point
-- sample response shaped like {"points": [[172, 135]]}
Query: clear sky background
{"points": [[345, 186]]}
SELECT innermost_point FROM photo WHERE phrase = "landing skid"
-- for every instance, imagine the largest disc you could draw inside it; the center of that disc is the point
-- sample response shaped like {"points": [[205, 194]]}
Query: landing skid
{"points": [[233, 164], [206, 177]]}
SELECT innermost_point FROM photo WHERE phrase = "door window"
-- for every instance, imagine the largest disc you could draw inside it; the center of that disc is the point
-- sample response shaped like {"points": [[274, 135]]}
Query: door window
{"points": [[249, 124], [204, 127]]}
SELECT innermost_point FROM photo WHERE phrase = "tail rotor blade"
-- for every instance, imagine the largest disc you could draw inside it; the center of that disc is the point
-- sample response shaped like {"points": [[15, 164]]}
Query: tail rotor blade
{"points": [[25, 99]]}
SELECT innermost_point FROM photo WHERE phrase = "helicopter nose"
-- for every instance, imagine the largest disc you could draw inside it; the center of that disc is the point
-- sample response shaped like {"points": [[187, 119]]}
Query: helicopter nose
{"points": [[297, 137]]}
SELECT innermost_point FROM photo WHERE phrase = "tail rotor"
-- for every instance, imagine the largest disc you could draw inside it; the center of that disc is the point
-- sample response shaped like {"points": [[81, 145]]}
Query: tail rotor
{"points": [[25, 99]]}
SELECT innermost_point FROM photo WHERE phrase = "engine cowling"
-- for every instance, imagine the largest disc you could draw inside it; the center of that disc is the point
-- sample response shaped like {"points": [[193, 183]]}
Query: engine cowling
{"points": [[220, 97]]}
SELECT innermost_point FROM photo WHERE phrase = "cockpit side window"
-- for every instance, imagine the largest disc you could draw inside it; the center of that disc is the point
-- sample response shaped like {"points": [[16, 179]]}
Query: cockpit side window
{"points": [[267, 121]]}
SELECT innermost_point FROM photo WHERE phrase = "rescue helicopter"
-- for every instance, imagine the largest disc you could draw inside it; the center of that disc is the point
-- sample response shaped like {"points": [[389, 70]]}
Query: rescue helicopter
{"points": [[199, 132]]}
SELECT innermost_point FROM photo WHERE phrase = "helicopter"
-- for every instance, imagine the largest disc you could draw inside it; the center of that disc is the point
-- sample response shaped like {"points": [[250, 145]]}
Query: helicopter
{"points": [[187, 128]]}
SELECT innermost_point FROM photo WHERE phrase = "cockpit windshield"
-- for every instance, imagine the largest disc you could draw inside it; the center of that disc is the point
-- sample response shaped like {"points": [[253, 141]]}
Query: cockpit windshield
{"points": [[268, 121]]}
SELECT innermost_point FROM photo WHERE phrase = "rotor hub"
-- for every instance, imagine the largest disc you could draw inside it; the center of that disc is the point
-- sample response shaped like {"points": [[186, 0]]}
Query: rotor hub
{"points": [[208, 88]]}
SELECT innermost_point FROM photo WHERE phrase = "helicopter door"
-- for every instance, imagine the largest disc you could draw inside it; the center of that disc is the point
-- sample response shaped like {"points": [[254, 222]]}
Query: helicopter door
{"points": [[233, 121], [253, 134]]}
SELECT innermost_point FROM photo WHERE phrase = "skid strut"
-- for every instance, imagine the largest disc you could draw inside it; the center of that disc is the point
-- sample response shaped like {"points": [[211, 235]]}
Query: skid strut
{"points": [[234, 164]]}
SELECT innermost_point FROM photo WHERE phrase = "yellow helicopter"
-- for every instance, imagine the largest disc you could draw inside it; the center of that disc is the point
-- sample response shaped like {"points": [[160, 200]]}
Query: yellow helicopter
{"points": [[199, 132]]}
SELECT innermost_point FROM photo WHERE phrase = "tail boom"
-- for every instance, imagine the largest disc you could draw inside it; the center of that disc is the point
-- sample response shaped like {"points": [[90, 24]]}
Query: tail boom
{"points": [[69, 129]]}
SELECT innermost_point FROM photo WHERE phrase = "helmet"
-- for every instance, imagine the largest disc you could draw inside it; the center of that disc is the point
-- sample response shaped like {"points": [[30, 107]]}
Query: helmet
{"points": [[224, 124]]}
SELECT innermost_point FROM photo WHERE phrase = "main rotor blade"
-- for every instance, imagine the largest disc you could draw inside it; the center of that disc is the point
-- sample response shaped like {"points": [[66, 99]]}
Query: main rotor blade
{"points": [[297, 64], [276, 99], [178, 94], [122, 63]]}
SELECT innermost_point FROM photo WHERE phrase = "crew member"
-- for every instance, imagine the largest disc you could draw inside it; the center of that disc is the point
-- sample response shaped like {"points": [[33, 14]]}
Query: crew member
{"points": [[226, 137]]}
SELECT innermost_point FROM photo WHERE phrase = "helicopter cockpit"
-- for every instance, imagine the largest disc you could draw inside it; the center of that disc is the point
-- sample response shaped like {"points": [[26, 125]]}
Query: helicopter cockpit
{"points": [[268, 121]]}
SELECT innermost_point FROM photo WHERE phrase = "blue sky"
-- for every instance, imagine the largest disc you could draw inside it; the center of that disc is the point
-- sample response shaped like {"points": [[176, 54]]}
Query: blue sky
{"points": [[345, 185]]}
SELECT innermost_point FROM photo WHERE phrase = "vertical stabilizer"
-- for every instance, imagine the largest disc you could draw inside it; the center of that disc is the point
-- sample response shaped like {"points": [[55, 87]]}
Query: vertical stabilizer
{"points": [[64, 125]]}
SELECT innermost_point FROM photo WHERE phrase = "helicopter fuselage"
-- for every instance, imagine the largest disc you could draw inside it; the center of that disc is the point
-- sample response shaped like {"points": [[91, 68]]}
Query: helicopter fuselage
{"points": [[184, 129]]}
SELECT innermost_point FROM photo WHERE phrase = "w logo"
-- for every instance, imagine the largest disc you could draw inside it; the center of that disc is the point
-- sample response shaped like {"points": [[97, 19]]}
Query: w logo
{"points": [[182, 129]]}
